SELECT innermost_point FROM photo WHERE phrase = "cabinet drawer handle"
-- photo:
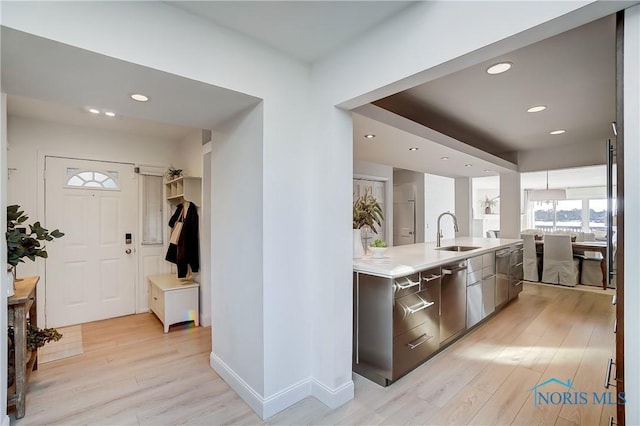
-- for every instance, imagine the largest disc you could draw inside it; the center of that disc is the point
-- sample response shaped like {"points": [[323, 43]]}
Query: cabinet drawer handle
{"points": [[418, 307], [431, 277], [611, 422], [517, 265], [615, 326], [614, 299], [407, 285], [607, 381], [420, 340]]}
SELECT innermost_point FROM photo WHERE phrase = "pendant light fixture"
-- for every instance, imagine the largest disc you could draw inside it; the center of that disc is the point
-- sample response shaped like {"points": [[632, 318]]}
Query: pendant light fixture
{"points": [[548, 194]]}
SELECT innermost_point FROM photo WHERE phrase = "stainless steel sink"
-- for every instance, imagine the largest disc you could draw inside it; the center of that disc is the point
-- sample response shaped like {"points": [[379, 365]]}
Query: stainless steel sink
{"points": [[457, 248]]}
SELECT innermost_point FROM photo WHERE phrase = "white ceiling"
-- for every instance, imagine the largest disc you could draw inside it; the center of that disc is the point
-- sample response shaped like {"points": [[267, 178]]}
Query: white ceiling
{"points": [[571, 73], [38, 68], [306, 30]]}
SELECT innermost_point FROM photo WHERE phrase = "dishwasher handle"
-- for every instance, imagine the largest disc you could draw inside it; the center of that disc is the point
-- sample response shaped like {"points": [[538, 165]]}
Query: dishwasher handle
{"points": [[450, 271]]}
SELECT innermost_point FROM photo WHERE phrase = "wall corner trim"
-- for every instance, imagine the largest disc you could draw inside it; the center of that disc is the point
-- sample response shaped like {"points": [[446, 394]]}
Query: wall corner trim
{"points": [[6, 421], [267, 407]]}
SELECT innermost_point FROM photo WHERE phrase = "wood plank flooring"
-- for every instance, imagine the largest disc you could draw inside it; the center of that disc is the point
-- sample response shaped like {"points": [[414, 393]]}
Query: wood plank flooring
{"points": [[131, 373]]}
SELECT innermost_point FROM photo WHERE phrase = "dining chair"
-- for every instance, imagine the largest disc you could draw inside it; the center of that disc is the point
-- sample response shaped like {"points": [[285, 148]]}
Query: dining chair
{"points": [[530, 259], [591, 272], [558, 264]]}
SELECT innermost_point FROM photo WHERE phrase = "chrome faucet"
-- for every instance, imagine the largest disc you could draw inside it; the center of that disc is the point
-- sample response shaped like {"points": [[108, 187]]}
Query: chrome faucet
{"points": [[455, 226]]}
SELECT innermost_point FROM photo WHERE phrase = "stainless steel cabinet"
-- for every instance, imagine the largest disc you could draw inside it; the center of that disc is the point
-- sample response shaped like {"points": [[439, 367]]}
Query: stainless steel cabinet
{"points": [[516, 274], [481, 283], [396, 323], [502, 276], [453, 301]]}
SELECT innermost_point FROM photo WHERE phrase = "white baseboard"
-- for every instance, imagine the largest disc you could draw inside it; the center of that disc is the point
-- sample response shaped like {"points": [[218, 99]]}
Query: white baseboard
{"points": [[333, 398], [267, 407], [6, 421], [205, 320]]}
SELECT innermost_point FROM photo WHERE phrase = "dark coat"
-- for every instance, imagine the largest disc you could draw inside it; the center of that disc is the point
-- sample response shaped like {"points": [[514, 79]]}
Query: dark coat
{"points": [[187, 251]]}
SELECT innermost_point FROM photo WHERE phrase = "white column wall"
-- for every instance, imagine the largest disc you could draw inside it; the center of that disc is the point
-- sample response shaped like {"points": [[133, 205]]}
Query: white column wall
{"points": [[510, 205], [237, 236], [632, 214]]}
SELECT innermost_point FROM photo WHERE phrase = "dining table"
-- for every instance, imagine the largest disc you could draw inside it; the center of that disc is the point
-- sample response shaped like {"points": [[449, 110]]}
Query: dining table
{"points": [[579, 247]]}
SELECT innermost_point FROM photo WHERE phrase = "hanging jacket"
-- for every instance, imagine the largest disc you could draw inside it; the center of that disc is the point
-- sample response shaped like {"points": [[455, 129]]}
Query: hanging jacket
{"points": [[187, 252]]}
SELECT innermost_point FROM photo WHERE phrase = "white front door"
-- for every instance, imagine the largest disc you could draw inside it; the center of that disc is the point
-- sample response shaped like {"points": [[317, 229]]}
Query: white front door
{"points": [[90, 272]]}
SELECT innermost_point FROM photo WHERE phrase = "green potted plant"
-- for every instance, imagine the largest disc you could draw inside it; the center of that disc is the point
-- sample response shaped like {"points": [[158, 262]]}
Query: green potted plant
{"points": [[25, 240], [366, 211], [36, 338]]}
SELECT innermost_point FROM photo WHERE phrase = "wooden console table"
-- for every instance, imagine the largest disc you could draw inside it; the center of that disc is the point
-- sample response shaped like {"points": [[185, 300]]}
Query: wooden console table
{"points": [[23, 302]]}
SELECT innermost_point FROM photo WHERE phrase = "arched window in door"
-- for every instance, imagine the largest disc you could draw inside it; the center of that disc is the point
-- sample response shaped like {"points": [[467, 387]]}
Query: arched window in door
{"points": [[92, 179]]}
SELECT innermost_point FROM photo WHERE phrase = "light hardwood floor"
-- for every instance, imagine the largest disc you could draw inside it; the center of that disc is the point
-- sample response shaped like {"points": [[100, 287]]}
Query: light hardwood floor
{"points": [[133, 374]]}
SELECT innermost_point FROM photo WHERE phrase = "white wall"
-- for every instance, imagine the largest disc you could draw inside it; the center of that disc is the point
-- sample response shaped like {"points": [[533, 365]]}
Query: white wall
{"points": [[439, 196], [4, 419], [188, 154], [416, 179], [632, 214], [367, 170], [463, 206], [510, 205], [237, 253]]}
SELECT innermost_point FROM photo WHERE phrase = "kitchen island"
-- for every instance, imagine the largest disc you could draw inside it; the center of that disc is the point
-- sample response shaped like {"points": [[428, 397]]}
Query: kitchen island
{"points": [[418, 298]]}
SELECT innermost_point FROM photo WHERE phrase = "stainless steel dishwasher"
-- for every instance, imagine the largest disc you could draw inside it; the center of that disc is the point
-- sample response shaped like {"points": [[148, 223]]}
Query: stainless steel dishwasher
{"points": [[453, 301], [503, 258]]}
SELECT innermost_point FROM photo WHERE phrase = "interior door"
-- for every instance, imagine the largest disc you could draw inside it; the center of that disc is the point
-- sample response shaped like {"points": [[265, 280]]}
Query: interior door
{"points": [[90, 275], [404, 215]]}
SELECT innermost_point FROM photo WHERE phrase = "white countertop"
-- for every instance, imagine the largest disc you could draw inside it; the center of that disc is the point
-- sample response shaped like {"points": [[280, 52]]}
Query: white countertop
{"points": [[403, 260]]}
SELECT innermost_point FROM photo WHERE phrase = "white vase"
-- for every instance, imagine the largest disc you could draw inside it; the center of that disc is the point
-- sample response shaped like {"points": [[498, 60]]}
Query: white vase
{"points": [[358, 248], [10, 285]]}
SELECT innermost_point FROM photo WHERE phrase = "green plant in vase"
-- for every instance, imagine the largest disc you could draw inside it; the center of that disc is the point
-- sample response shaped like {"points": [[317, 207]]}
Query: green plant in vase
{"points": [[26, 242], [367, 214], [367, 211]]}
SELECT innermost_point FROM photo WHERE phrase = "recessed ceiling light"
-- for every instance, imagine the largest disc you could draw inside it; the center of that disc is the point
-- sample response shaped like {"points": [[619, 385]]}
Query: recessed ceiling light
{"points": [[139, 97], [370, 136], [487, 171], [110, 114], [413, 149], [557, 132], [499, 68], [468, 165], [444, 158], [94, 111], [537, 108]]}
